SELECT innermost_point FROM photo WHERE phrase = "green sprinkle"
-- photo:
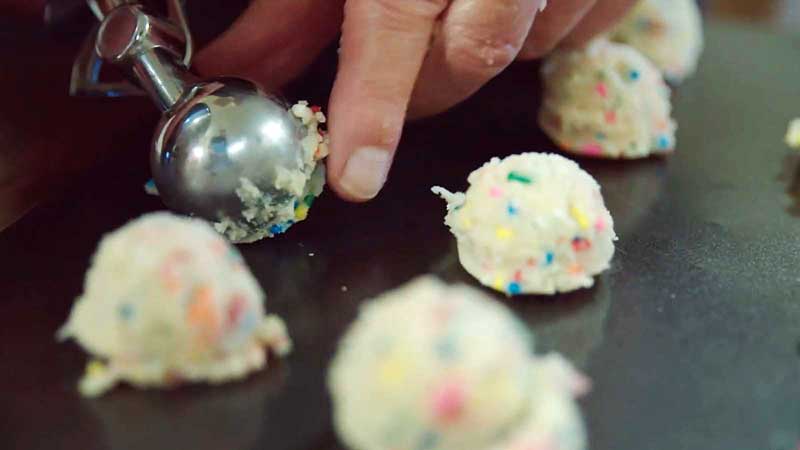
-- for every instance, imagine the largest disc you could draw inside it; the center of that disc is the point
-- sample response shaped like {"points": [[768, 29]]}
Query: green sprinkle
{"points": [[519, 178], [309, 199]]}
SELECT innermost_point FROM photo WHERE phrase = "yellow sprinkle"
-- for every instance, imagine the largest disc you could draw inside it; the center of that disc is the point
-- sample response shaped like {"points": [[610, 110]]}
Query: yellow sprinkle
{"points": [[579, 217], [301, 212], [504, 233], [498, 284], [393, 371], [466, 223], [95, 368], [793, 134]]}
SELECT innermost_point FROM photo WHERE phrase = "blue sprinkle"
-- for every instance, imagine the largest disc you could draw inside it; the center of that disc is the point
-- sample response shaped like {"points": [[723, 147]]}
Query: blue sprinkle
{"points": [[446, 349], [429, 440], [279, 228], [549, 257], [600, 136], [664, 142], [634, 75], [512, 210], [514, 288], [126, 311]]}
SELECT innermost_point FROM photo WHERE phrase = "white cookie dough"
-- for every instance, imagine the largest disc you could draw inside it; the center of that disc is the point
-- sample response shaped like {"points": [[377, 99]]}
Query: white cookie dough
{"points": [[669, 32], [437, 367], [531, 224], [606, 101], [168, 300], [262, 217]]}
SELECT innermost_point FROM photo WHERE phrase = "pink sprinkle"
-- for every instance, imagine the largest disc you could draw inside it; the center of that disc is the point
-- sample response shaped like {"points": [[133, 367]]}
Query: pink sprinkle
{"points": [[235, 310], [611, 116], [601, 89], [518, 276], [593, 149], [600, 225], [448, 401], [495, 192]]}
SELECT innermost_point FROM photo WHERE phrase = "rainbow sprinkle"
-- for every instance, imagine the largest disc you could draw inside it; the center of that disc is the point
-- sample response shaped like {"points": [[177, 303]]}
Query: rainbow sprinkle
{"points": [[498, 283], [580, 244], [593, 149], [664, 142], [519, 178], [602, 90], [504, 233], [549, 257], [580, 217], [126, 311]]}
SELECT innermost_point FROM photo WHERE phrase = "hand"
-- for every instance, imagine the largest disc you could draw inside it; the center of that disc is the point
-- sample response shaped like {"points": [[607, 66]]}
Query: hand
{"points": [[398, 57]]}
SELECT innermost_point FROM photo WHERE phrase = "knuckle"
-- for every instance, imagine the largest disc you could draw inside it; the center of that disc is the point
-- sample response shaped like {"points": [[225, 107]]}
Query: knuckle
{"points": [[429, 9], [483, 54]]}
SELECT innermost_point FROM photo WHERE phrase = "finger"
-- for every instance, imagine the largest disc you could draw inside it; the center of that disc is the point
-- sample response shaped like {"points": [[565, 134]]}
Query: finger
{"points": [[474, 42], [383, 45], [273, 41], [600, 19], [552, 25]]}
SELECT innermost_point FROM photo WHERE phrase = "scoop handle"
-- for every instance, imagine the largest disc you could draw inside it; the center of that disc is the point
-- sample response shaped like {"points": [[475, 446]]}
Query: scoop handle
{"points": [[148, 50]]}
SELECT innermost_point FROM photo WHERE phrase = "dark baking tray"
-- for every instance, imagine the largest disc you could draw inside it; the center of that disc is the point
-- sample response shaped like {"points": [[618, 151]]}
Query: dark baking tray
{"points": [[691, 338]]}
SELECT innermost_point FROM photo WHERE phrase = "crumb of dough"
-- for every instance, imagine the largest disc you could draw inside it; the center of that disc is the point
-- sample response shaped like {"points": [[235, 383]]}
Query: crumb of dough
{"points": [[793, 134]]}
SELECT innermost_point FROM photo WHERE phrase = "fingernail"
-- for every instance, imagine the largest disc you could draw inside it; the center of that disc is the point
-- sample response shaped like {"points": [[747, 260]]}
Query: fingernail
{"points": [[365, 172]]}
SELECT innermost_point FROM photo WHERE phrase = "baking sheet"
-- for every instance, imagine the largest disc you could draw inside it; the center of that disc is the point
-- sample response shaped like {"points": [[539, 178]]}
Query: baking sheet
{"points": [[692, 338]]}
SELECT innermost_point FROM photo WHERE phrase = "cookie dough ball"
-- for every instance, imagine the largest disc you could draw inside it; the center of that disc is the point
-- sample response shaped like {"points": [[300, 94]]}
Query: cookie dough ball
{"points": [[168, 300], [445, 368], [267, 216], [669, 32], [606, 101], [531, 224]]}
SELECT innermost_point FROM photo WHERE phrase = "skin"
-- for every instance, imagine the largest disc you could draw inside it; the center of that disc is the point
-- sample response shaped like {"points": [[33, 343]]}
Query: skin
{"points": [[399, 60]]}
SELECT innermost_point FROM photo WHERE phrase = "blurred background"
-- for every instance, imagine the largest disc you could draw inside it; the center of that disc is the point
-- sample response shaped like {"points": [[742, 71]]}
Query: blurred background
{"points": [[784, 13]]}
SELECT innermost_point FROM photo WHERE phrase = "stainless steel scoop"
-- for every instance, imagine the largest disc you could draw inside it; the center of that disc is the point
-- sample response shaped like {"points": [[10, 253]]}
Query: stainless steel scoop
{"points": [[213, 133]]}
